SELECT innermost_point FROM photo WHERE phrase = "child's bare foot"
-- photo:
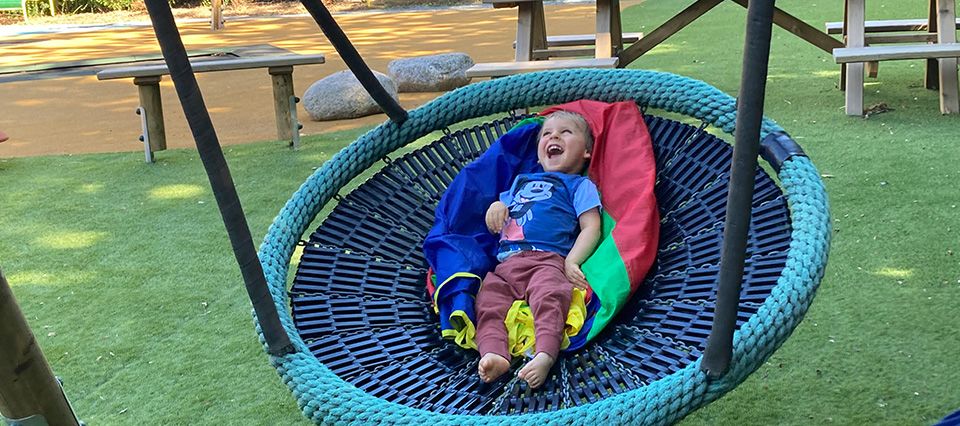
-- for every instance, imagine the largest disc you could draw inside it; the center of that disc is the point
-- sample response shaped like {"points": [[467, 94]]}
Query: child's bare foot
{"points": [[492, 366], [535, 372]]}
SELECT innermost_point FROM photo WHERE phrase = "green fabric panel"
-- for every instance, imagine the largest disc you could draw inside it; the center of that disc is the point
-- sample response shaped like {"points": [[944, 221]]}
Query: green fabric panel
{"points": [[607, 275], [535, 119]]}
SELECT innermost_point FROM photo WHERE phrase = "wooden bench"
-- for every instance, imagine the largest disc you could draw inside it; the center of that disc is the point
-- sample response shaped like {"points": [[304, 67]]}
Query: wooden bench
{"points": [[845, 55], [567, 45], [885, 26], [147, 79], [499, 69], [21, 6]]}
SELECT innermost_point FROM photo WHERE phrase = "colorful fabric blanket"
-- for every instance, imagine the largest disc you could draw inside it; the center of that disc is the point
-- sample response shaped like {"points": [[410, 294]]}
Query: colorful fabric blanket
{"points": [[461, 250]]}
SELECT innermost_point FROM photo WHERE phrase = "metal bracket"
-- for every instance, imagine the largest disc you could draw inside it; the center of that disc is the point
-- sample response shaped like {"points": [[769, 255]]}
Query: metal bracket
{"points": [[34, 420], [39, 419], [295, 143], [145, 136]]}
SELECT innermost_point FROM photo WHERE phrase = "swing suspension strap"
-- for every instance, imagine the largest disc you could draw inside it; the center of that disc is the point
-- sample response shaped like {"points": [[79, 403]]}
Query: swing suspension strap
{"points": [[218, 173], [354, 61], [756, 55]]}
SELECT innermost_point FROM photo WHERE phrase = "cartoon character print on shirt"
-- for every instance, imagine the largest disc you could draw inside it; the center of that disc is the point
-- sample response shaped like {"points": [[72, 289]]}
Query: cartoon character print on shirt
{"points": [[520, 213]]}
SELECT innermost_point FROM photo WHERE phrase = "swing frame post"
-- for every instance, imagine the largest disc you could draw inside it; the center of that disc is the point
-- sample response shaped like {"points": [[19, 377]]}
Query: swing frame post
{"points": [[756, 57], [29, 392]]}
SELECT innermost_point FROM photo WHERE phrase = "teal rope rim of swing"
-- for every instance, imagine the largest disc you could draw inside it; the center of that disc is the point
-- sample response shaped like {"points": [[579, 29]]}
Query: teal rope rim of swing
{"points": [[325, 398]]}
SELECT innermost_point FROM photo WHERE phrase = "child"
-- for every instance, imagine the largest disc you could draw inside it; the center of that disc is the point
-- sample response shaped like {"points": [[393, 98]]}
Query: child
{"points": [[540, 249]]}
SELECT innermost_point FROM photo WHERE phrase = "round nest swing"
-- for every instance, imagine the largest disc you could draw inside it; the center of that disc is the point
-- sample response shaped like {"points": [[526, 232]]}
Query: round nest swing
{"points": [[367, 347]]}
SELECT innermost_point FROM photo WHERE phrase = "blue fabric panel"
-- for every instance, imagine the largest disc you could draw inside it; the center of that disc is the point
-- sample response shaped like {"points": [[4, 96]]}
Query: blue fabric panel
{"points": [[459, 240]]}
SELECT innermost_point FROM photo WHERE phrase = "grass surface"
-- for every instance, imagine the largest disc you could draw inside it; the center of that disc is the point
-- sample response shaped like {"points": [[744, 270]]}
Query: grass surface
{"points": [[126, 275]]}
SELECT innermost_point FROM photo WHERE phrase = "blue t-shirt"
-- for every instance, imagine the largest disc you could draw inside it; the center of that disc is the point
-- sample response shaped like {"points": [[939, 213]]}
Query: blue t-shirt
{"points": [[544, 212]]}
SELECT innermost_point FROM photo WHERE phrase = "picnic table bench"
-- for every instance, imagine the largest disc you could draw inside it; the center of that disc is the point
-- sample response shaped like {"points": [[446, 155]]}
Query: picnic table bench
{"points": [[609, 39], [533, 46], [147, 79], [937, 44]]}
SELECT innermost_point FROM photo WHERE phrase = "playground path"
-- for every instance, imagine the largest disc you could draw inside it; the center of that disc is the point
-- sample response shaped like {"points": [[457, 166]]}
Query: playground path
{"points": [[72, 112]]}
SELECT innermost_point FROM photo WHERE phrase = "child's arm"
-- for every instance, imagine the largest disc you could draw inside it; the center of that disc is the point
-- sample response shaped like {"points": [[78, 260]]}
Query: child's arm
{"points": [[496, 216], [586, 242]]}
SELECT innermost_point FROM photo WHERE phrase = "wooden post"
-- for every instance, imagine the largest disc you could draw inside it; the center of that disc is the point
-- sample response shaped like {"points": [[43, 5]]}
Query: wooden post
{"points": [[609, 41], [216, 15], [843, 38], [931, 77], [149, 90], [855, 22], [27, 385], [947, 33], [525, 31], [282, 92]]}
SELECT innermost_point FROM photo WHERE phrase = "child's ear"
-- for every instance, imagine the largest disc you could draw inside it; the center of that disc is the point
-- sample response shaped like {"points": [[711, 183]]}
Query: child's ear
{"points": [[586, 154]]}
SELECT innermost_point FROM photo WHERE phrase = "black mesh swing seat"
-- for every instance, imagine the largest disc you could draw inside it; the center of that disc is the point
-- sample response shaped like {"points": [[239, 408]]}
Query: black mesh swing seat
{"points": [[365, 341], [361, 345], [360, 305]]}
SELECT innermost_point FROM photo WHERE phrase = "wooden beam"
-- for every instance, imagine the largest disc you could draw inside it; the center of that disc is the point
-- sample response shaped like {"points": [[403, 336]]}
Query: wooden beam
{"points": [[498, 69], [667, 29], [586, 39], [562, 53], [885, 26], [213, 65], [27, 385], [873, 39], [801, 29]]}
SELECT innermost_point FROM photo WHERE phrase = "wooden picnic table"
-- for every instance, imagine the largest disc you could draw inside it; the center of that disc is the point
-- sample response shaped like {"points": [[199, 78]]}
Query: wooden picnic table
{"points": [[937, 44], [609, 40], [534, 48]]}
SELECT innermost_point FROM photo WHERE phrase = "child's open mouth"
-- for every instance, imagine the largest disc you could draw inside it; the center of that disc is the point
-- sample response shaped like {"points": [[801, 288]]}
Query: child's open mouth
{"points": [[554, 149]]}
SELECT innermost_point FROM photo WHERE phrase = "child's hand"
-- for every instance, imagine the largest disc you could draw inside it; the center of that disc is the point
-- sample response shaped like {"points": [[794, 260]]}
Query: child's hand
{"points": [[575, 275], [496, 216]]}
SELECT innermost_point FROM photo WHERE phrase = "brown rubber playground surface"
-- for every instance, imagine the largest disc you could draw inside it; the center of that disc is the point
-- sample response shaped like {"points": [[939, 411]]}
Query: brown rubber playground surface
{"points": [[65, 112]]}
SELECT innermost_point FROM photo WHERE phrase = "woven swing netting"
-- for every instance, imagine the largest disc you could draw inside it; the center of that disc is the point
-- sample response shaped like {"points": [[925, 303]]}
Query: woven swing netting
{"points": [[366, 343]]}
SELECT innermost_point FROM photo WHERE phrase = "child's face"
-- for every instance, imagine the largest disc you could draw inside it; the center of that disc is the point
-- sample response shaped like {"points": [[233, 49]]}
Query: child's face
{"points": [[562, 146]]}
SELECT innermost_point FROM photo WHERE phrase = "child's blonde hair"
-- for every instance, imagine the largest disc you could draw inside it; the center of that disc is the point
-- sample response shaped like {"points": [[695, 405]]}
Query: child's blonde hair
{"points": [[578, 120]]}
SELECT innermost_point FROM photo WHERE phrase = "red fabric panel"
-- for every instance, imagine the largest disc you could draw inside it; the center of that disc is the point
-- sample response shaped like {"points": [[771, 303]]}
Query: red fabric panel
{"points": [[623, 167]]}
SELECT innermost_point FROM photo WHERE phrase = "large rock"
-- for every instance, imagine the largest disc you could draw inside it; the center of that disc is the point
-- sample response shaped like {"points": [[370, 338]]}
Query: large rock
{"points": [[435, 73], [340, 95]]}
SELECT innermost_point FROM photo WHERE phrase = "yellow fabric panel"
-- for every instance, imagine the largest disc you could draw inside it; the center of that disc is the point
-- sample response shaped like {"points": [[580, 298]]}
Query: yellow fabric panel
{"points": [[463, 333], [519, 323]]}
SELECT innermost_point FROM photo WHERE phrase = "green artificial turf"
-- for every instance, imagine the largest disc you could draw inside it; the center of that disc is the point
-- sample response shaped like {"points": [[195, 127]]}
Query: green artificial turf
{"points": [[126, 275]]}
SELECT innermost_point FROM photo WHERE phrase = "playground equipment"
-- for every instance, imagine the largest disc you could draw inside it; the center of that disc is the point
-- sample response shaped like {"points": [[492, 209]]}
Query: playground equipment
{"points": [[788, 253]]}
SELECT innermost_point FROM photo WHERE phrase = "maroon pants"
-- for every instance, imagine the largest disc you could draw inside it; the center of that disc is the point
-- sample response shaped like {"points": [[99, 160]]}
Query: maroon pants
{"points": [[538, 278]]}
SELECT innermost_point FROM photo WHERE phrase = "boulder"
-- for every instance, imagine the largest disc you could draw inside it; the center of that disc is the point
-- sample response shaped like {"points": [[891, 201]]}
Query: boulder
{"points": [[434, 73], [340, 95]]}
